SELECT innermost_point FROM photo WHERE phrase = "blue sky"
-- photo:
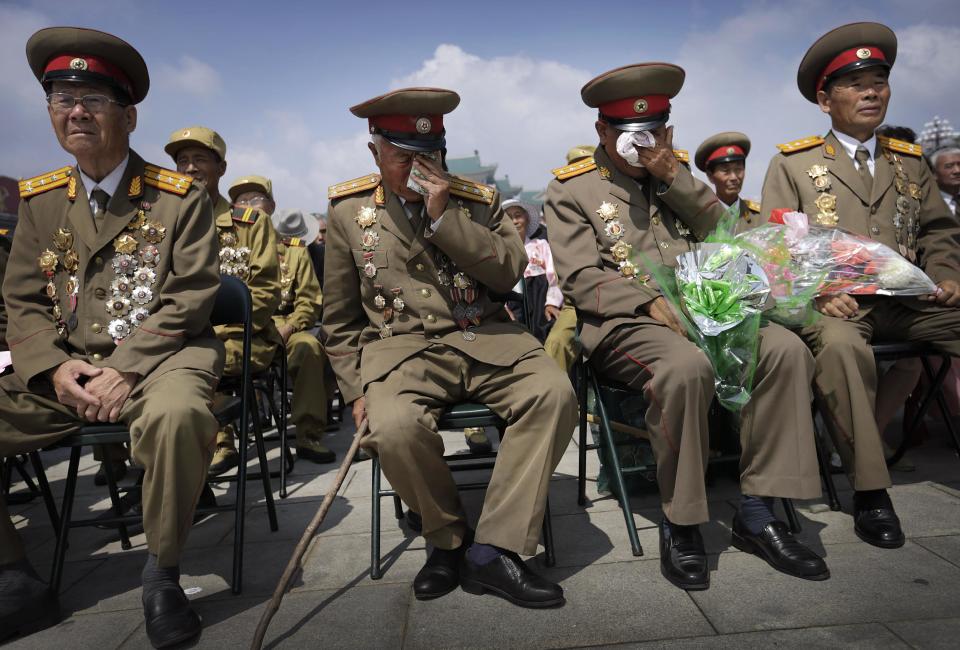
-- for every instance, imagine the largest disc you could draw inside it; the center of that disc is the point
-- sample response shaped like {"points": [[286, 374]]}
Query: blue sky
{"points": [[276, 79]]}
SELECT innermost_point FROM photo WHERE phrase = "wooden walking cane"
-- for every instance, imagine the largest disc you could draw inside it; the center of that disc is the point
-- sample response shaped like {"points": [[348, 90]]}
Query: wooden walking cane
{"points": [[294, 564]]}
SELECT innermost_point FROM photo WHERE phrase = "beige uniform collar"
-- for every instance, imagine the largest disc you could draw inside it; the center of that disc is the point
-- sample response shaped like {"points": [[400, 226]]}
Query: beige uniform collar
{"points": [[221, 212]]}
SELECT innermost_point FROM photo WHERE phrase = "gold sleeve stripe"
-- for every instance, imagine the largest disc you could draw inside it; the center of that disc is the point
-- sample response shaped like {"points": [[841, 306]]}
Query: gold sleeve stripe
{"points": [[43, 182]]}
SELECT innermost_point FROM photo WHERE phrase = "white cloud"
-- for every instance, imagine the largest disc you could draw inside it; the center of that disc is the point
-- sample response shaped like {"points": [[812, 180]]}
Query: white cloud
{"points": [[926, 69], [191, 77]]}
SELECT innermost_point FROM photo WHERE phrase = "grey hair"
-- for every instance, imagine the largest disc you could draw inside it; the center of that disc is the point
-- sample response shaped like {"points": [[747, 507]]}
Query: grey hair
{"points": [[942, 152], [377, 139]]}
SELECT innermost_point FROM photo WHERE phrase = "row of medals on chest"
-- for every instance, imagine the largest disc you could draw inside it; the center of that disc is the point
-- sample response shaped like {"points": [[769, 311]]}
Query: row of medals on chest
{"points": [[234, 259], [286, 282], [133, 267], [462, 287], [826, 203]]}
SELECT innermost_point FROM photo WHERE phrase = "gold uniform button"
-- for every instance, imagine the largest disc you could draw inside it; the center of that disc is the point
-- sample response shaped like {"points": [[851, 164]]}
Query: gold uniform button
{"points": [[655, 221], [98, 260], [873, 209], [420, 267], [426, 293], [97, 328], [875, 230], [431, 318], [97, 356]]}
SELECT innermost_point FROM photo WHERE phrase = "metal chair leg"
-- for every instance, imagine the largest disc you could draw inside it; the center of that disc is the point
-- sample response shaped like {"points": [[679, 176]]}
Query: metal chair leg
{"points": [[397, 507], [69, 489], [936, 381], [285, 455], [115, 498], [607, 436], [945, 362], [375, 572], [822, 460], [265, 475], [792, 518], [45, 489], [550, 555], [582, 447]]}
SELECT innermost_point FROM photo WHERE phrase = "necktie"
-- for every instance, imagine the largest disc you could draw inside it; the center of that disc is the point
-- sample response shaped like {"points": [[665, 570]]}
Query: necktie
{"points": [[862, 157], [101, 199], [416, 217]]}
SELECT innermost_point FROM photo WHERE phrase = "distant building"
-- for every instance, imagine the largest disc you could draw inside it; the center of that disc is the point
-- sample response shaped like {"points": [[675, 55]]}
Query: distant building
{"points": [[472, 168], [936, 133]]}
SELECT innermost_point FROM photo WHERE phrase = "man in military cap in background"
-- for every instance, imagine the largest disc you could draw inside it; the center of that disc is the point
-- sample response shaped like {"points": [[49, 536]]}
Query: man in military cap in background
{"points": [[723, 158], [879, 188], [111, 322], [253, 192], [411, 328], [297, 315], [636, 197], [247, 249]]}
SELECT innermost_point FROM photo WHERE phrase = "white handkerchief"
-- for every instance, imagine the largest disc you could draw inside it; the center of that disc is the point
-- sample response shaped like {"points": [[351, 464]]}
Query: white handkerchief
{"points": [[629, 141], [5, 360]]}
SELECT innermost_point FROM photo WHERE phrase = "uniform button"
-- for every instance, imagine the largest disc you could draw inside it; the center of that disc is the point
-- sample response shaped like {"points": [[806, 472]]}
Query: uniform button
{"points": [[655, 221], [100, 293], [436, 336], [664, 244], [97, 328], [873, 209], [431, 318], [97, 356], [875, 230], [98, 260], [426, 293], [420, 267]]}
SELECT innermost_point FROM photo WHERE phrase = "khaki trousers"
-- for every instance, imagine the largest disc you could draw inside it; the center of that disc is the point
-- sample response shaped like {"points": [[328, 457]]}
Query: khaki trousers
{"points": [[535, 399], [778, 456], [561, 344], [305, 364], [846, 375], [172, 433]]}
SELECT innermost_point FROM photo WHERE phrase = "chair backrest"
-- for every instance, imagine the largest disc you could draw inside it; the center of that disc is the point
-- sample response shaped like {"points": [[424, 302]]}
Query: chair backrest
{"points": [[233, 305]]}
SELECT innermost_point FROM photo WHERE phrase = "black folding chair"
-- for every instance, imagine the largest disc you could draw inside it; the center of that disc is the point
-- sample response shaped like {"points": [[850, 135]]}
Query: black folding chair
{"points": [[460, 416], [34, 487], [233, 306]]}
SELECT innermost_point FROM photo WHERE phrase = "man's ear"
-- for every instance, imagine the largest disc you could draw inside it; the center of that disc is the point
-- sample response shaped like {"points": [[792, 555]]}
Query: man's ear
{"points": [[376, 154], [601, 127], [130, 112], [823, 99], [222, 167]]}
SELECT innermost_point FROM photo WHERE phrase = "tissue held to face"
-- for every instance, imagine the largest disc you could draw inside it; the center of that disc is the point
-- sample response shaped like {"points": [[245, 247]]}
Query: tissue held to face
{"points": [[628, 142], [611, 137]]}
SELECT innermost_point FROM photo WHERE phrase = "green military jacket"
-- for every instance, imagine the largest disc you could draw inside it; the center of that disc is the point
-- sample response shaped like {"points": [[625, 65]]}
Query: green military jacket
{"points": [[300, 297]]}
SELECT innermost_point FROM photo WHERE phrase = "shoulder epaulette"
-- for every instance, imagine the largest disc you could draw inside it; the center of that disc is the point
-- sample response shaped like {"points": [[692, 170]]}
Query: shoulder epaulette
{"points": [[575, 169], [682, 155], [4, 232], [800, 145], [245, 215], [753, 206], [347, 188], [294, 241], [43, 182], [166, 180], [900, 146], [471, 190]]}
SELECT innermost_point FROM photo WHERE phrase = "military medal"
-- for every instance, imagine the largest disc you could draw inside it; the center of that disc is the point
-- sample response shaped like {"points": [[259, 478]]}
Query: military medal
{"points": [[125, 264], [682, 229], [153, 232], [118, 329], [47, 261], [366, 217], [604, 172], [628, 269], [621, 251], [379, 301], [121, 286], [145, 277], [608, 211], [369, 268], [398, 303], [469, 336], [613, 229], [821, 181], [125, 244], [150, 255], [51, 290], [63, 239], [227, 239], [369, 240], [71, 260], [139, 315], [137, 220], [142, 295], [118, 306]]}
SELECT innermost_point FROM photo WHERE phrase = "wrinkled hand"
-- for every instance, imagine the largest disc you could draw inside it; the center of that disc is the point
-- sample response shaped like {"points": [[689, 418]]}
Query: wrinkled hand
{"points": [[436, 185], [947, 294], [659, 310], [660, 161], [67, 384], [112, 388], [838, 305], [359, 411], [285, 332], [551, 312]]}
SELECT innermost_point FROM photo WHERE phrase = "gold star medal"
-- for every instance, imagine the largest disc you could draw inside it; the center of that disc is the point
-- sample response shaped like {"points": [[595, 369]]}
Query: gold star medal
{"points": [[366, 216], [63, 239], [125, 244], [71, 260], [369, 240], [47, 261], [153, 232], [608, 211], [621, 251]]}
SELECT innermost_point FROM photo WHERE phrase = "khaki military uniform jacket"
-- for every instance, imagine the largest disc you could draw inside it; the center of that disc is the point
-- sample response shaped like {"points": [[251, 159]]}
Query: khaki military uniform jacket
{"points": [[904, 210], [384, 257], [248, 250], [135, 296], [601, 222], [4, 256], [300, 296]]}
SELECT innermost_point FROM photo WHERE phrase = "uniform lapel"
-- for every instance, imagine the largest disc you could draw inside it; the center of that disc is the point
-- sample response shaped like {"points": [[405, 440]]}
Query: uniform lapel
{"points": [[394, 218], [842, 167], [80, 217], [120, 209], [882, 177], [621, 186]]}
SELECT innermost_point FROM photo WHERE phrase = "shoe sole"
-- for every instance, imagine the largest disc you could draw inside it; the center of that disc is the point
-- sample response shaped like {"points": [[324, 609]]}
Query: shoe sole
{"points": [[878, 543], [223, 469], [478, 589], [433, 596], [747, 546], [686, 586], [183, 638]]}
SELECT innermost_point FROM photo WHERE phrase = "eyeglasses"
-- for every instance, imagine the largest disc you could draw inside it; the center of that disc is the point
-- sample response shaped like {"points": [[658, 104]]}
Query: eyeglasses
{"points": [[63, 102]]}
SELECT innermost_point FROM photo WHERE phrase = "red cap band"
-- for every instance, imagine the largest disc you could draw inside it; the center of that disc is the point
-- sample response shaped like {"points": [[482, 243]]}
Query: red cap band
{"points": [[630, 107], [82, 63], [854, 54], [723, 152], [413, 124]]}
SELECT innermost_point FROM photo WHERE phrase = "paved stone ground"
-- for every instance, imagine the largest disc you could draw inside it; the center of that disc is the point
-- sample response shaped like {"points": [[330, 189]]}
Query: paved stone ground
{"points": [[908, 597]]}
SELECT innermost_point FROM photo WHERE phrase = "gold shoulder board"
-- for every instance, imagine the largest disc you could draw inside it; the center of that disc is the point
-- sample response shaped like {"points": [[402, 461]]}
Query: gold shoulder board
{"points": [[294, 241], [575, 169], [800, 145], [468, 189], [682, 155], [166, 180], [245, 215], [43, 182], [347, 188], [900, 146], [753, 206]]}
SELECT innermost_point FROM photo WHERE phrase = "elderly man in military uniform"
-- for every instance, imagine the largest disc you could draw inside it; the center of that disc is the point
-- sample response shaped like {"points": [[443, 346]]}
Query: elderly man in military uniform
{"points": [[723, 158], [879, 188], [297, 315], [253, 192], [110, 285], [946, 165], [247, 249], [413, 255], [636, 198]]}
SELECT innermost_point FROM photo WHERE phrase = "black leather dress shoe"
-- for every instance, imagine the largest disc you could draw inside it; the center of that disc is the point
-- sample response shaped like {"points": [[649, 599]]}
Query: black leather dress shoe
{"points": [[508, 577], [26, 604], [777, 545], [878, 526], [170, 619], [441, 573], [683, 560]]}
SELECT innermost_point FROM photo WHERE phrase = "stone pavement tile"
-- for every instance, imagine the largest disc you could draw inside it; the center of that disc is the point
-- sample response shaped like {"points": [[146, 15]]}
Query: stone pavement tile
{"points": [[929, 634], [95, 632], [867, 637], [606, 603], [340, 561], [345, 517], [868, 584], [947, 547], [363, 617]]}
